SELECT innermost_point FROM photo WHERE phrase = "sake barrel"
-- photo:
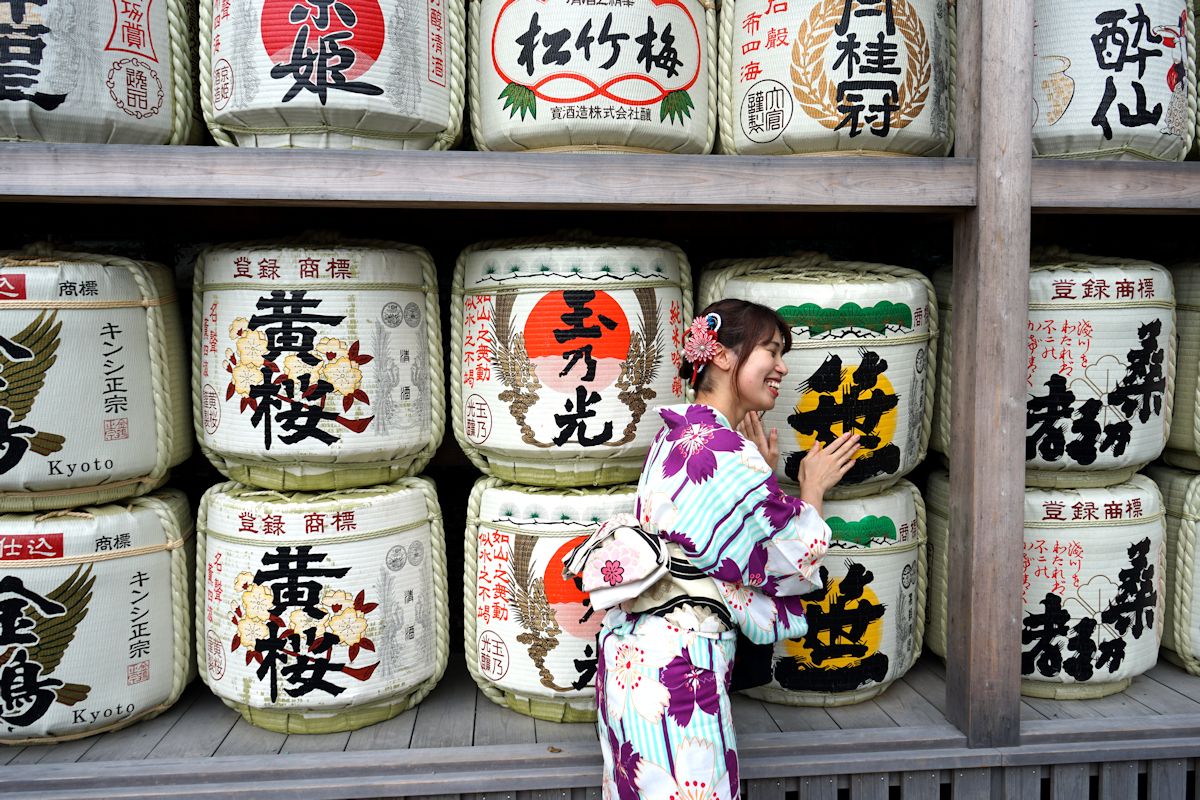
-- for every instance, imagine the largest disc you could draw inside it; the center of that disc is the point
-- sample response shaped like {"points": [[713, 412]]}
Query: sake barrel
{"points": [[866, 624], [1183, 442], [530, 633], [321, 612], [1092, 587], [561, 354], [638, 75], [97, 615], [1181, 624], [1114, 80], [93, 386], [837, 75], [98, 72], [317, 366], [1101, 369], [861, 360], [364, 74]]}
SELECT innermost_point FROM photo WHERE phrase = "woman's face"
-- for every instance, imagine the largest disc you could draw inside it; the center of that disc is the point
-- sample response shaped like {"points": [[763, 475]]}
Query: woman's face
{"points": [[760, 376]]}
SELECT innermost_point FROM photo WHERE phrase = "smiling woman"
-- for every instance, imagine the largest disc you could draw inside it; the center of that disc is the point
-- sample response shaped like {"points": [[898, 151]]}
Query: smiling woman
{"points": [[738, 554]]}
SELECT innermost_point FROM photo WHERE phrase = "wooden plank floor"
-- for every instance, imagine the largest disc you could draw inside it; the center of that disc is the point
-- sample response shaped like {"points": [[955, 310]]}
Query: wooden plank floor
{"points": [[456, 714]]}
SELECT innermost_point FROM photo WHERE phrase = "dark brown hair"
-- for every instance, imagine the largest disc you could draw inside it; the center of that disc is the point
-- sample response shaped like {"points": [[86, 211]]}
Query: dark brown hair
{"points": [[744, 326]]}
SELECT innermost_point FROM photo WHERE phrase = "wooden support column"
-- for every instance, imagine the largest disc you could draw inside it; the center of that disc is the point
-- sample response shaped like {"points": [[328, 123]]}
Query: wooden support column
{"points": [[987, 441]]}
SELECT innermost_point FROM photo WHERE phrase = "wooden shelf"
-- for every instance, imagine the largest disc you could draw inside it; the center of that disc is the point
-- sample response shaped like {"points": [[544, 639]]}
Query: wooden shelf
{"points": [[1115, 187], [227, 176]]}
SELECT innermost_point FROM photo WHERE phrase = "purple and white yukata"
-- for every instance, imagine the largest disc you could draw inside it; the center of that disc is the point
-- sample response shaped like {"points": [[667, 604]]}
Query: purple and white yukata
{"points": [[741, 551]]}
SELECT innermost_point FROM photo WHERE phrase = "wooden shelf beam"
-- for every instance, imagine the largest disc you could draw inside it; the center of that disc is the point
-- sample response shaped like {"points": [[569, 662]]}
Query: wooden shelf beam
{"points": [[31, 172], [1115, 187]]}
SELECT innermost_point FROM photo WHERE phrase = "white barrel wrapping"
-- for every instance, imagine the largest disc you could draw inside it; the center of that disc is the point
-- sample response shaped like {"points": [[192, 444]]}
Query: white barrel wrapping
{"points": [[324, 612], [1183, 443], [93, 386], [97, 72], [317, 367], [1093, 585], [361, 74], [862, 340], [564, 74], [1101, 369], [866, 625], [1114, 80], [1181, 622], [561, 354], [530, 634], [937, 504], [837, 75], [97, 617]]}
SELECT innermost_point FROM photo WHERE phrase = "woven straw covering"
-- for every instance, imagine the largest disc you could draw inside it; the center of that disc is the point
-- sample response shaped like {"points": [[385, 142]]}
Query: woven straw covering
{"points": [[317, 366], [561, 352], [99, 73], [786, 85], [103, 616], [1093, 587], [1181, 623], [1101, 339], [348, 586], [1114, 81], [95, 378], [599, 90], [1183, 444], [862, 334], [387, 75], [530, 635], [874, 577]]}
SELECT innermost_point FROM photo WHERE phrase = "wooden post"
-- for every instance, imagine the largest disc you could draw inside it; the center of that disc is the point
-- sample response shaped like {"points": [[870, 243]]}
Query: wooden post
{"points": [[987, 442]]}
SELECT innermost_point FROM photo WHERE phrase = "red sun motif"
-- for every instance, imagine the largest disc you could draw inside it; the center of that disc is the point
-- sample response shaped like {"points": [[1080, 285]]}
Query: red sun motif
{"points": [[566, 599], [572, 334], [283, 19]]}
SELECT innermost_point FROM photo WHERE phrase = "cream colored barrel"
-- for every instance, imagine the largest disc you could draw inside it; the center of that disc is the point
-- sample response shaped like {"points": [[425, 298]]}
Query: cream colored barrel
{"points": [[530, 634], [317, 367], [93, 386], [1181, 624], [819, 76], [937, 498], [865, 627], [98, 72], [324, 612], [861, 360], [1114, 81], [638, 75], [98, 615], [360, 74], [1101, 368], [561, 354], [1183, 444]]}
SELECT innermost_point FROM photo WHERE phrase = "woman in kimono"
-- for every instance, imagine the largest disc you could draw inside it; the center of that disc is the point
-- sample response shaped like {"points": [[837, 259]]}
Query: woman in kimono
{"points": [[740, 553]]}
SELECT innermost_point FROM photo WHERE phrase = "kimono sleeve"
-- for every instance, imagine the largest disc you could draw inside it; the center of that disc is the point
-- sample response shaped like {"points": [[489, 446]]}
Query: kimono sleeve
{"points": [[740, 528]]}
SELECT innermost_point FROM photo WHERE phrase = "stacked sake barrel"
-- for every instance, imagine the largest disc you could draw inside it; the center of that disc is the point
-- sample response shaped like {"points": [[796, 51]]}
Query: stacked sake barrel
{"points": [[567, 75], [1178, 582], [863, 339], [318, 387], [1101, 372], [1183, 442], [789, 83], [1092, 585], [93, 411], [356, 74], [1114, 83], [562, 353], [123, 76]]}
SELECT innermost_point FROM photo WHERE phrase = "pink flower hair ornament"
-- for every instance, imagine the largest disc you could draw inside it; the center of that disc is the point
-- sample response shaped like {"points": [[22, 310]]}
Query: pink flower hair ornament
{"points": [[700, 344]]}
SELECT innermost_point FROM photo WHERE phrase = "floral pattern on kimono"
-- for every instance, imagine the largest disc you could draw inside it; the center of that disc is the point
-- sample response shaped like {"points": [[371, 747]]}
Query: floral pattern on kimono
{"points": [[662, 682]]}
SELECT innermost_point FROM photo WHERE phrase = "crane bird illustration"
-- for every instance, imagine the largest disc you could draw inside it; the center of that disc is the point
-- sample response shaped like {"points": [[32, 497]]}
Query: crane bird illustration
{"points": [[24, 361]]}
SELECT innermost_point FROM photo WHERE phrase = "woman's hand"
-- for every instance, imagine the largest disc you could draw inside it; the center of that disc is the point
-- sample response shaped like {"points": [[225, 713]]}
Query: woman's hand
{"points": [[767, 443], [822, 468]]}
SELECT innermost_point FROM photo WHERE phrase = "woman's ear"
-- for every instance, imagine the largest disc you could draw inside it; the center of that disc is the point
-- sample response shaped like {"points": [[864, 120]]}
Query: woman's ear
{"points": [[724, 358]]}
